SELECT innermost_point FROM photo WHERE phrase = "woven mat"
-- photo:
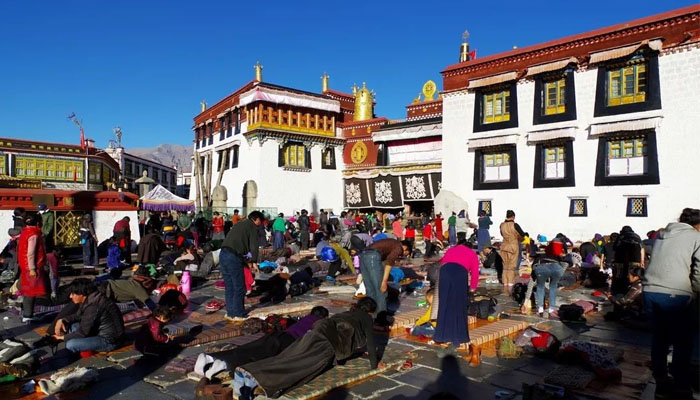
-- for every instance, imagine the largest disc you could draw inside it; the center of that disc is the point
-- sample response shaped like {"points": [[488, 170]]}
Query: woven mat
{"points": [[343, 289], [353, 371], [285, 308], [182, 365], [214, 334], [408, 320], [570, 376], [182, 328], [48, 309], [346, 278], [136, 315], [489, 332], [635, 376]]}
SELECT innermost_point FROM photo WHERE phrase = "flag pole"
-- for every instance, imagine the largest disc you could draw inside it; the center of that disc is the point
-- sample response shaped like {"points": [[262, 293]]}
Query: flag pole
{"points": [[83, 146]]}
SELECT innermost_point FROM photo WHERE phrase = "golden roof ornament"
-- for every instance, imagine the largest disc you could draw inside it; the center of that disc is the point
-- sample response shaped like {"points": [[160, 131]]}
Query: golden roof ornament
{"points": [[258, 71], [203, 105], [364, 103], [417, 99], [429, 89], [324, 82]]}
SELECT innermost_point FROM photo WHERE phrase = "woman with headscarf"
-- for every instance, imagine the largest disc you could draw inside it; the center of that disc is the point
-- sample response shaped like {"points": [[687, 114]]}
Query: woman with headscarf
{"points": [[483, 236], [510, 248], [629, 254], [459, 274], [88, 240]]}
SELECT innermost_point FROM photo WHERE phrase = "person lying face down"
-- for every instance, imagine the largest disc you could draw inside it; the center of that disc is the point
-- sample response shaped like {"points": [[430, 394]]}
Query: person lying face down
{"points": [[267, 346], [331, 341]]}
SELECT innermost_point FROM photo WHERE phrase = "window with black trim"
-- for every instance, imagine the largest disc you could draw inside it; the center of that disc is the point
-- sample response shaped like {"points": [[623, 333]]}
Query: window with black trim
{"points": [[555, 97], [295, 155], [578, 208], [237, 121], [222, 129], [554, 164], [636, 206], [496, 107], [229, 129], [627, 159], [234, 156], [219, 159], [628, 85], [382, 155], [328, 158], [496, 168], [210, 141], [485, 206]]}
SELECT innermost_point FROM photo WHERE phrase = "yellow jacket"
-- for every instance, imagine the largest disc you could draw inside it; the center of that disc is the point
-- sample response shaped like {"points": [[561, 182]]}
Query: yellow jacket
{"points": [[344, 255], [426, 317]]}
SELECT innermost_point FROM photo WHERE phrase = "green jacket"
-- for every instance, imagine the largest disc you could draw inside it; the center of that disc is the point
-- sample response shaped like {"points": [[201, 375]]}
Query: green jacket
{"points": [[47, 223], [452, 221], [184, 222], [243, 239], [279, 225]]}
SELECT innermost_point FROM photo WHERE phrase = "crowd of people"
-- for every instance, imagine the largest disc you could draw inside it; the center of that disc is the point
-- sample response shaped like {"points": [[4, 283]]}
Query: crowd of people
{"points": [[656, 278]]}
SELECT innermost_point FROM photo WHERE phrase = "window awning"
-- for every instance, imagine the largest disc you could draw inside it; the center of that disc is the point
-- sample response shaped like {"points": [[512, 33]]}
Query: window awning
{"points": [[626, 126], [552, 66], [492, 80], [289, 98], [492, 141], [620, 52], [551, 134], [414, 132], [225, 146], [209, 121]]}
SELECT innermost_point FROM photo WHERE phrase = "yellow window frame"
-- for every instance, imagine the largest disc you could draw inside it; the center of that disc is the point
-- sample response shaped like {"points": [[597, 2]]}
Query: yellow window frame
{"points": [[555, 102], [627, 148], [619, 80], [295, 155], [490, 101]]}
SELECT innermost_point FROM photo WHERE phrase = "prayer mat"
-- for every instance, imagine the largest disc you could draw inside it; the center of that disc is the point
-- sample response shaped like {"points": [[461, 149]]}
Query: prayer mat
{"points": [[209, 319], [182, 365], [214, 334], [252, 299], [136, 315], [48, 309], [353, 371], [570, 376], [351, 279], [182, 329], [344, 289], [408, 319], [284, 309], [127, 307], [490, 332]]}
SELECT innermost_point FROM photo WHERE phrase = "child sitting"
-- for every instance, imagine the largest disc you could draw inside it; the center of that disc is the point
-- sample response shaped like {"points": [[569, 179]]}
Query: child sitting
{"points": [[151, 339], [424, 326]]}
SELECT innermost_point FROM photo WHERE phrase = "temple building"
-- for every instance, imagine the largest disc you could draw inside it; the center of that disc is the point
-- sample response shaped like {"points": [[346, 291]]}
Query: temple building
{"points": [[132, 167], [395, 165], [582, 134], [30, 164], [267, 146]]}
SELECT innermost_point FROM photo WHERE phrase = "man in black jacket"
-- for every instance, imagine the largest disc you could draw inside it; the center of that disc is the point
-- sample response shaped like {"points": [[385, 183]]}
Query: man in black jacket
{"points": [[239, 247], [304, 226], [98, 324]]}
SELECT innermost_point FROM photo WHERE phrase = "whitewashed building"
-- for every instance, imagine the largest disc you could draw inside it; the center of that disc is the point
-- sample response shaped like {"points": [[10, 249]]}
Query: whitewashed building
{"points": [[583, 134], [271, 147]]}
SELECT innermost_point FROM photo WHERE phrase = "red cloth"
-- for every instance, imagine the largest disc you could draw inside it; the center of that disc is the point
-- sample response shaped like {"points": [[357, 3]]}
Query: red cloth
{"points": [[438, 228], [32, 287], [217, 224], [410, 233], [465, 257], [427, 232], [122, 226], [249, 280], [540, 342]]}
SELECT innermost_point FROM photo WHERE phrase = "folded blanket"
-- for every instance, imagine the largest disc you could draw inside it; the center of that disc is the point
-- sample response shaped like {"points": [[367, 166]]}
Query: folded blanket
{"points": [[68, 380], [136, 315]]}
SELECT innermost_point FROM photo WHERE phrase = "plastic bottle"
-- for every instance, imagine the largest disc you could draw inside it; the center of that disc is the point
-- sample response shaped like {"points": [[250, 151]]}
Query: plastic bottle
{"points": [[185, 283]]}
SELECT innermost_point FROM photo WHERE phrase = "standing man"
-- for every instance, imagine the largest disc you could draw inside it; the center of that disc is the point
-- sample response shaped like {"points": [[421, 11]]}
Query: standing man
{"points": [[236, 217], [375, 263], [428, 238], [510, 249], [32, 264], [122, 233], [304, 226], [47, 222], [323, 220], [279, 227], [239, 247], [438, 227], [184, 222], [452, 228]]}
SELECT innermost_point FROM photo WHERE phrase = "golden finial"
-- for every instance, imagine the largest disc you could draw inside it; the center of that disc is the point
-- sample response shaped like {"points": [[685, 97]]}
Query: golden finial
{"points": [[258, 71], [417, 99], [429, 89], [354, 88], [364, 103], [324, 82], [203, 104]]}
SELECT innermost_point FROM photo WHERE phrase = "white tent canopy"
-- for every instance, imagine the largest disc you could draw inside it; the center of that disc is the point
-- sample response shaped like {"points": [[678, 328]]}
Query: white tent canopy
{"points": [[160, 199]]}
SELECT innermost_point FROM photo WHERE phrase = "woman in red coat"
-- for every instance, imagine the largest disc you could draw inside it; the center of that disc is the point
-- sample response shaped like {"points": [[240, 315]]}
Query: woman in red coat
{"points": [[217, 225], [31, 256]]}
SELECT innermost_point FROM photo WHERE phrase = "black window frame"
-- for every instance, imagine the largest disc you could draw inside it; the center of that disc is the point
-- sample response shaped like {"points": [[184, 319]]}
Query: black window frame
{"points": [[571, 207], [569, 178], [481, 207], [645, 210], [650, 178], [479, 93], [479, 184], [307, 155], [652, 97], [330, 150], [222, 131], [237, 121], [234, 156], [569, 114], [382, 154], [229, 128]]}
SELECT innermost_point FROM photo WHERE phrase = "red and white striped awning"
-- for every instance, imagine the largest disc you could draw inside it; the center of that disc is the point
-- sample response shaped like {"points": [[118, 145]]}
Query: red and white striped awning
{"points": [[625, 51], [551, 66], [492, 80]]}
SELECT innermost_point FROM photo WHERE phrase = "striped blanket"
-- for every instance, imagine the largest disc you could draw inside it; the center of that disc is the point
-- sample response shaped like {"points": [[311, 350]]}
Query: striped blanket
{"points": [[136, 315], [182, 329], [48, 309]]}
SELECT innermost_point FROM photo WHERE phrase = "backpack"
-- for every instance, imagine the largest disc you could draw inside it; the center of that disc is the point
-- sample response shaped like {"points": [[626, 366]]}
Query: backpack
{"points": [[571, 312], [554, 249], [483, 308]]}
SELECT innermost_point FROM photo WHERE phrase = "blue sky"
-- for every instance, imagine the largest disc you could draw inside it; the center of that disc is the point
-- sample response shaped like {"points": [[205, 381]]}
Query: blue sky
{"points": [[146, 65]]}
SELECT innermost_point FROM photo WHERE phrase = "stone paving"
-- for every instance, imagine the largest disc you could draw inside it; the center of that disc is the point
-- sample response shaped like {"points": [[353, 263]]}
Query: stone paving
{"points": [[126, 375]]}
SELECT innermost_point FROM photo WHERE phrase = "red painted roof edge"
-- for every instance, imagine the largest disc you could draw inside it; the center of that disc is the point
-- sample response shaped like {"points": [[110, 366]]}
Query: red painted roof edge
{"points": [[339, 93], [240, 90], [424, 103], [351, 124], [597, 32]]}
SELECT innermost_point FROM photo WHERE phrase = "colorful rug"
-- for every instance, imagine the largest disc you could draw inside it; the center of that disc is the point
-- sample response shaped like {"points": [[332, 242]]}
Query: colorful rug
{"points": [[136, 315], [490, 332], [353, 371], [285, 308], [182, 329], [182, 365], [45, 310], [408, 320], [212, 335]]}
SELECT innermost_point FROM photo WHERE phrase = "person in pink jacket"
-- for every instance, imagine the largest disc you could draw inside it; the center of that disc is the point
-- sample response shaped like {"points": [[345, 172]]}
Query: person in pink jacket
{"points": [[397, 228]]}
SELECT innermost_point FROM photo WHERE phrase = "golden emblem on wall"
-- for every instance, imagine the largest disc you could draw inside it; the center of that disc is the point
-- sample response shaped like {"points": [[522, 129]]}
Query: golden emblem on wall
{"points": [[429, 89], [358, 154]]}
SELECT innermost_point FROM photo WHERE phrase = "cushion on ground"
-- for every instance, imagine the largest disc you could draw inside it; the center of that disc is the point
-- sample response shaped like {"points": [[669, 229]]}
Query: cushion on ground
{"points": [[489, 332], [340, 375], [408, 319], [214, 334], [284, 308]]}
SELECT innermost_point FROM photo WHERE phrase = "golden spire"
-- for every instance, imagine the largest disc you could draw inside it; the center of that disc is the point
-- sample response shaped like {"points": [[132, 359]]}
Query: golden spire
{"points": [[464, 48], [204, 105], [364, 103], [324, 82], [258, 71], [354, 88]]}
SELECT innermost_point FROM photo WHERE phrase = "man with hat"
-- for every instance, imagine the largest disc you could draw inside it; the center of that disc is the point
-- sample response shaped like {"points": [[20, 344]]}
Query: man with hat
{"points": [[304, 227], [47, 222]]}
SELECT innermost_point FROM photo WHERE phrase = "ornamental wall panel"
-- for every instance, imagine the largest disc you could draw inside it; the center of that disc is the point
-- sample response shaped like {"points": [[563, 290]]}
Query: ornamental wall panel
{"points": [[385, 192]]}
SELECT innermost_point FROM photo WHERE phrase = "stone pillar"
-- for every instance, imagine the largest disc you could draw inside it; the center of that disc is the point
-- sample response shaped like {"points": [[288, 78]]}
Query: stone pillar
{"points": [[219, 199]]}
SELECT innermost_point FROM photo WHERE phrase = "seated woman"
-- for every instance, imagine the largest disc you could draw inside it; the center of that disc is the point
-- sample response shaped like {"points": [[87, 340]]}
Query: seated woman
{"points": [[629, 304], [267, 346], [98, 324], [331, 340]]}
